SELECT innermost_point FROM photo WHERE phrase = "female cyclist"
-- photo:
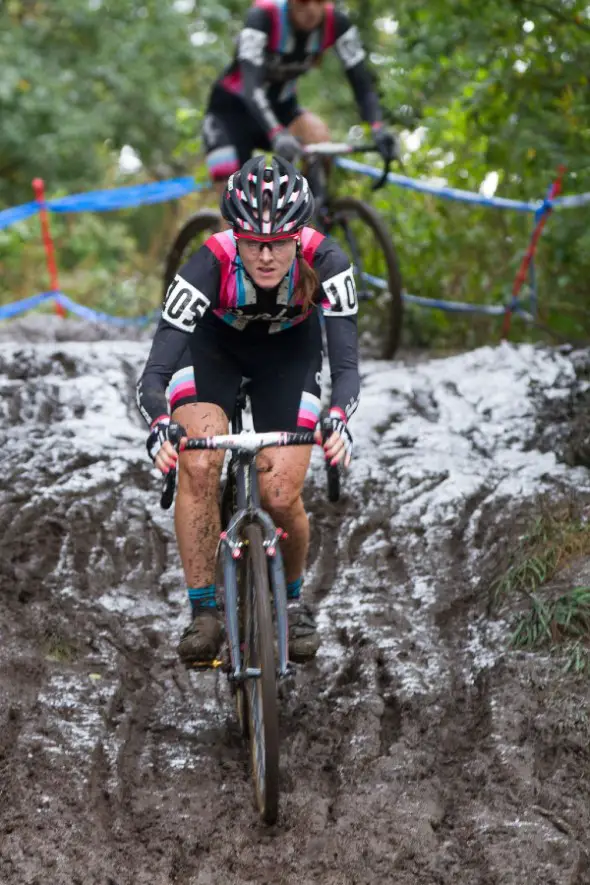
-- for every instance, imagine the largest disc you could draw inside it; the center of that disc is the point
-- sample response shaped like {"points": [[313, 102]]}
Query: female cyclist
{"points": [[246, 304], [254, 102]]}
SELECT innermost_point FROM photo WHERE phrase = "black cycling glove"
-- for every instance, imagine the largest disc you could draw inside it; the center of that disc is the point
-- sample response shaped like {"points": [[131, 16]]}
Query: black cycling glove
{"points": [[339, 426], [164, 430], [287, 146], [386, 143]]}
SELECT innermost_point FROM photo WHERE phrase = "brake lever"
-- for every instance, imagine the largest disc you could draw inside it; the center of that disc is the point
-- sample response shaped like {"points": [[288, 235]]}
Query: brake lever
{"points": [[168, 490], [332, 472], [379, 184], [176, 433]]}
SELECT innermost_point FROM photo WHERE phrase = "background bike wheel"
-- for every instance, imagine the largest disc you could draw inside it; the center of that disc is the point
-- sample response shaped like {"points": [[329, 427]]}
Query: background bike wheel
{"points": [[363, 234], [262, 692], [189, 239]]}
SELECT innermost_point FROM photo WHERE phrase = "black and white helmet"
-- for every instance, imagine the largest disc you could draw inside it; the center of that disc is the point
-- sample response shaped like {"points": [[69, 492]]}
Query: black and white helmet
{"points": [[267, 200]]}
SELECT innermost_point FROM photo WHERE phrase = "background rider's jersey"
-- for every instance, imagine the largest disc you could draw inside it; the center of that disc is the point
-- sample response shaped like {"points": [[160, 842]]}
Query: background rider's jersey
{"points": [[271, 55], [212, 287]]}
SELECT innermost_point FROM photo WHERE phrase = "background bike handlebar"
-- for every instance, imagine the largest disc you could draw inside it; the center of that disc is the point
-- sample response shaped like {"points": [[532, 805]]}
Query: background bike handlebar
{"points": [[341, 149]]}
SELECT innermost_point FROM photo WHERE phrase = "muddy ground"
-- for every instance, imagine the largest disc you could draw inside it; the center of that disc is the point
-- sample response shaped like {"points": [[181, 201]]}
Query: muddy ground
{"points": [[416, 749]]}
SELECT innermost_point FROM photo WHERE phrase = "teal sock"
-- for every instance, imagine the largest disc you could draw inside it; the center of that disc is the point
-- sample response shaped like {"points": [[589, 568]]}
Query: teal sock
{"points": [[294, 589], [202, 597]]}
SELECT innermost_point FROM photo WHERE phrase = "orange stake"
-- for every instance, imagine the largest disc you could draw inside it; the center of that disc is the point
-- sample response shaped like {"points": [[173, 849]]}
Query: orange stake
{"points": [[39, 189], [530, 252]]}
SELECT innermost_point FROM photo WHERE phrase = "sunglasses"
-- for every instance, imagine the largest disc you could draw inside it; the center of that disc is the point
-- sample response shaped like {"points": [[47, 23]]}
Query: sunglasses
{"points": [[257, 244], [306, 2]]}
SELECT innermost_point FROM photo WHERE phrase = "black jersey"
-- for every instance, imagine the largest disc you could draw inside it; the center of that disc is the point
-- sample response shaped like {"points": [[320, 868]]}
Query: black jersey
{"points": [[212, 287], [271, 55]]}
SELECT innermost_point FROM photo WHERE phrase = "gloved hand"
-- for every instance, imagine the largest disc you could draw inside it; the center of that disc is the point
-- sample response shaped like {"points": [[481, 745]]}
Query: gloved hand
{"points": [[164, 435], [286, 145], [386, 143], [338, 446]]}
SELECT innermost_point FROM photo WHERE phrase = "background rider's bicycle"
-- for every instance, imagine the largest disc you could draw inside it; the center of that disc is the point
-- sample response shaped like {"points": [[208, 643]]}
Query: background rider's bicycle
{"points": [[355, 224], [251, 586]]}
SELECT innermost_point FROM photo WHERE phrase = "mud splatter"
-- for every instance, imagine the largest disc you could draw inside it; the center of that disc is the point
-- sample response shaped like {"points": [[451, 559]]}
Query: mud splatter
{"points": [[415, 749]]}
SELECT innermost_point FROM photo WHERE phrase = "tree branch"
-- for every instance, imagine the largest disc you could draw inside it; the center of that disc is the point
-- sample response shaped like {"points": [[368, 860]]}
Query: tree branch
{"points": [[560, 16]]}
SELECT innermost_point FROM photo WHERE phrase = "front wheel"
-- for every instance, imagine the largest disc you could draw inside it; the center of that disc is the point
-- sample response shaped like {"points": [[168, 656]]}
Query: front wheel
{"points": [[362, 233], [189, 240], [262, 706]]}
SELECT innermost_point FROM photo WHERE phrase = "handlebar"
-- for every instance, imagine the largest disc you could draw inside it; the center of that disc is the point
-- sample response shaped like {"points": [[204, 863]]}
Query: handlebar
{"points": [[341, 149], [336, 148], [250, 442]]}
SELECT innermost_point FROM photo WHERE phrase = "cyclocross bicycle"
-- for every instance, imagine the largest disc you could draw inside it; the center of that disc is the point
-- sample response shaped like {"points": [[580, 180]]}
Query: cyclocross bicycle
{"points": [[358, 228], [250, 580]]}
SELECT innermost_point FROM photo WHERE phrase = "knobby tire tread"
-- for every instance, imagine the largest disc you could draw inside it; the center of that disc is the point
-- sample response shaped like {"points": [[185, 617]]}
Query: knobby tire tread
{"points": [[263, 656]]}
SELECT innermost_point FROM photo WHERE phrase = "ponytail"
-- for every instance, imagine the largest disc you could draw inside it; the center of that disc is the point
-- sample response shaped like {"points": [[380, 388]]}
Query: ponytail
{"points": [[308, 284]]}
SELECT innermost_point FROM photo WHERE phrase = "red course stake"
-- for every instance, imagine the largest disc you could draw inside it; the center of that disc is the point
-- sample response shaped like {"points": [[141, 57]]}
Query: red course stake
{"points": [[530, 252], [39, 189]]}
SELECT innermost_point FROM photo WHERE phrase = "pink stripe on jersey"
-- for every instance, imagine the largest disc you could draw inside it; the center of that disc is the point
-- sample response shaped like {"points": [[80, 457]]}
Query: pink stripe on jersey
{"points": [[182, 391], [223, 246], [337, 412], [310, 240], [306, 419], [274, 44], [329, 27], [163, 419], [233, 82], [223, 170]]}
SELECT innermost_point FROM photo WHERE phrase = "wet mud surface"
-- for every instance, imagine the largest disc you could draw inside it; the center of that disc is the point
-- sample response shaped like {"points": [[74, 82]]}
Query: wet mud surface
{"points": [[415, 749]]}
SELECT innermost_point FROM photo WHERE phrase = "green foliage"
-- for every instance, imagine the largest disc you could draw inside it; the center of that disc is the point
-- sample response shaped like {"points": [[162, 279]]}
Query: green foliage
{"points": [[546, 616], [81, 79], [553, 621], [495, 87]]}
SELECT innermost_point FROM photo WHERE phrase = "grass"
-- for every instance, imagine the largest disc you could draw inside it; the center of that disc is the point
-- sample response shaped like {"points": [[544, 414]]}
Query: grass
{"points": [[58, 650], [561, 622]]}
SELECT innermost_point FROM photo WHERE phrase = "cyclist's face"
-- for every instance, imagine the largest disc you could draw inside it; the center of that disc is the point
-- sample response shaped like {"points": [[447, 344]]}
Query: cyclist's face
{"points": [[267, 262], [306, 14]]}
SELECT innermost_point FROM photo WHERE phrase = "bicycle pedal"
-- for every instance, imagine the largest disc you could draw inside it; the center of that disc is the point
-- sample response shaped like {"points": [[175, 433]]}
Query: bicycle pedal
{"points": [[215, 664]]}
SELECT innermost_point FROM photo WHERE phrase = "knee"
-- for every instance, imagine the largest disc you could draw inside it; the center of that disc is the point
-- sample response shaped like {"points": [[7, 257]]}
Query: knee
{"points": [[199, 474], [310, 128], [279, 495], [320, 131]]}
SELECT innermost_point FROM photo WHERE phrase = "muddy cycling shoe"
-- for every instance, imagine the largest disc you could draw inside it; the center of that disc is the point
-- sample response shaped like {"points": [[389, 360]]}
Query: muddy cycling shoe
{"points": [[201, 641], [304, 639]]}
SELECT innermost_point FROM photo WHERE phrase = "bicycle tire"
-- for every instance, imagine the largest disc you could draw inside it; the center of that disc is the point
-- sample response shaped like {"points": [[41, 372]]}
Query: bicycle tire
{"points": [[204, 220], [373, 220], [263, 711]]}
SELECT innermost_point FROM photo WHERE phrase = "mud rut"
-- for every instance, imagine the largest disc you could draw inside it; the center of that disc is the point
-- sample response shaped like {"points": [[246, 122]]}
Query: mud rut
{"points": [[415, 750]]}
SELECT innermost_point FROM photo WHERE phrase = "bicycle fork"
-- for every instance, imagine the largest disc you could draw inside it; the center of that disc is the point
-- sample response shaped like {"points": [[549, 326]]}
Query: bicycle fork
{"points": [[232, 551]]}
